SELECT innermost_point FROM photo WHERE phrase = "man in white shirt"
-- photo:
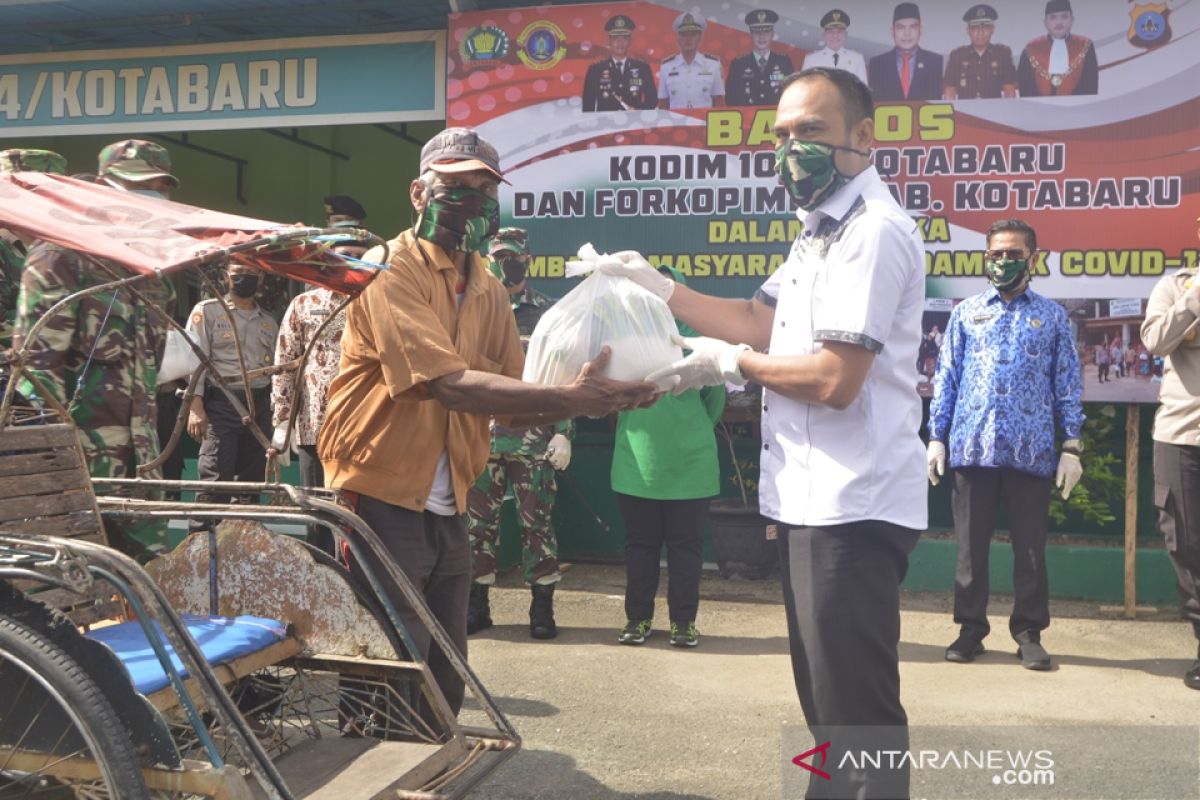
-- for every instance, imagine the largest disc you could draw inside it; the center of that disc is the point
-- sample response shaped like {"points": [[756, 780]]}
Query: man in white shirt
{"points": [[690, 79], [834, 54], [842, 468]]}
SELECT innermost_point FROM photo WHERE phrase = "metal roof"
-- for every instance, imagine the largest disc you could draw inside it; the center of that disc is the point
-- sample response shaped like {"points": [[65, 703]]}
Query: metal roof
{"points": [[30, 26]]}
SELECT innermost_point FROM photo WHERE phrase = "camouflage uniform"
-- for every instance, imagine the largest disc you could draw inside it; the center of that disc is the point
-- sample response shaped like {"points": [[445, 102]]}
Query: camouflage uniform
{"points": [[518, 460], [12, 255], [103, 370], [99, 356]]}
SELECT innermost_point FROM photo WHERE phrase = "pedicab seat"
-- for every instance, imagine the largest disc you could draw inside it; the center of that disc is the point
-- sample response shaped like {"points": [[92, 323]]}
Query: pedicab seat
{"points": [[223, 640]]}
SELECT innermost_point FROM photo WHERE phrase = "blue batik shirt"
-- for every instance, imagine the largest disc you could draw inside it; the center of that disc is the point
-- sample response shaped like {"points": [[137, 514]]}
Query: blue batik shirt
{"points": [[1007, 374]]}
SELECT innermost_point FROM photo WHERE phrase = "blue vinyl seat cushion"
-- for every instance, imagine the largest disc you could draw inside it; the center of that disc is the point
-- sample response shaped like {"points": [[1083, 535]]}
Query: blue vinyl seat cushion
{"points": [[221, 639]]}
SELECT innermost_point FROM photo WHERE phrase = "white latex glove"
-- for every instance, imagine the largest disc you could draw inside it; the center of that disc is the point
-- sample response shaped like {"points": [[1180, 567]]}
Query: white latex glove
{"points": [[559, 452], [630, 264], [1070, 470], [936, 456], [280, 446], [712, 362]]}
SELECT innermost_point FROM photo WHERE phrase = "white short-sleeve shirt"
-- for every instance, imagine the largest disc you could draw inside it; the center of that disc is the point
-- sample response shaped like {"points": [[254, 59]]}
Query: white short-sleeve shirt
{"points": [[857, 275], [690, 85]]}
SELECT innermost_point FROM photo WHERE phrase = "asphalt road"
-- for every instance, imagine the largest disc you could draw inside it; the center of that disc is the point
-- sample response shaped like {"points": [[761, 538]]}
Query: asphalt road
{"points": [[603, 721]]}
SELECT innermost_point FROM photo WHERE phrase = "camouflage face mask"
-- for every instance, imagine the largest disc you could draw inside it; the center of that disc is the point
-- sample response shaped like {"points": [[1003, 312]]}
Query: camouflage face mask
{"points": [[807, 171], [458, 218], [1005, 273]]}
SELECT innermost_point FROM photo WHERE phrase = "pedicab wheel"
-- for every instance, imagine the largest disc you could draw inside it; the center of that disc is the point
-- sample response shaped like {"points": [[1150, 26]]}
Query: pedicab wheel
{"points": [[59, 736]]}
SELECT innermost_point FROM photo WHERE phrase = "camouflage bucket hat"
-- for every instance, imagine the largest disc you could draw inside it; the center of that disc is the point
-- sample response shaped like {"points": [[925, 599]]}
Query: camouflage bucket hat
{"points": [[18, 160], [136, 160], [514, 240]]}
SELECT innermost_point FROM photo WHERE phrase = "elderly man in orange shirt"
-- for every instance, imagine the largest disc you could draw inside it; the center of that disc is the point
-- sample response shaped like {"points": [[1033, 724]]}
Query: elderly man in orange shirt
{"points": [[430, 351]]}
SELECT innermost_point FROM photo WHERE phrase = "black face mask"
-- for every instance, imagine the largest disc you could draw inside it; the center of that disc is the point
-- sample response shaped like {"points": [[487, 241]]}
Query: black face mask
{"points": [[243, 285], [513, 270]]}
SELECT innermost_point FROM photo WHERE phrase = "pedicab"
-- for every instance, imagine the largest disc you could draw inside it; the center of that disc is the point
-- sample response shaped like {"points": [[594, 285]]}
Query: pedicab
{"points": [[245, 663]]}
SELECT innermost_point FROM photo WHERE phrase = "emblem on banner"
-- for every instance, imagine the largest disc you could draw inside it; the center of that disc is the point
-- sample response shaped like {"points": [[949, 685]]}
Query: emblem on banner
{"points": [[542, 45], [1148, 25], [484, 46]]}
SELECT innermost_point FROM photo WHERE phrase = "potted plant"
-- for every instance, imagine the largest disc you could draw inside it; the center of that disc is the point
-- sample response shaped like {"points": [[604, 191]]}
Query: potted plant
{"points": [[741, 541]]}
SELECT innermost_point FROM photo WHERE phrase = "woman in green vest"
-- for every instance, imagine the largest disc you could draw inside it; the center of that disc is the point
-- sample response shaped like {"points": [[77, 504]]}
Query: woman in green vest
{"points": [[664, 472]]}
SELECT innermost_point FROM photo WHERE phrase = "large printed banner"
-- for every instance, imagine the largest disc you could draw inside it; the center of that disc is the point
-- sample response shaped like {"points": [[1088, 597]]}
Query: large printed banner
{"points": [[1084, 124], [331, 80]]}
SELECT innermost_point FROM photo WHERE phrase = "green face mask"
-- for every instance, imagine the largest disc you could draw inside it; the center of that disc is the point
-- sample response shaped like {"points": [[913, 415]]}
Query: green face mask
{"points": [[1005, 273], [807, 170], [458, 218]]}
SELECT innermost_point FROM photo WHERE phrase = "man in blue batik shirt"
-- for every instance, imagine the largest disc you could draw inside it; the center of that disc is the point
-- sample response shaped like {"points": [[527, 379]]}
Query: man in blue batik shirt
{"points": [[1007, 388]]}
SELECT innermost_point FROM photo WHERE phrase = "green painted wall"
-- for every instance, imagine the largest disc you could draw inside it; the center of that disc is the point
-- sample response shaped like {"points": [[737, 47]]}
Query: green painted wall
{"points": [[284, 181]]}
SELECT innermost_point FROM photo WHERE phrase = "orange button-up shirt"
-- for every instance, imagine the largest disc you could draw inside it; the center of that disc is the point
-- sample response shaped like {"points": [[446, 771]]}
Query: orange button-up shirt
{"points": [[383, 431]]}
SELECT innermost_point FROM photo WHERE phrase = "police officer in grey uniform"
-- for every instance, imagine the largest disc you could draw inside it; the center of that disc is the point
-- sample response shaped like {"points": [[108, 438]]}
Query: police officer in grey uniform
{"points": [[619, 83], [756, 78], [228, 450], [690, 79], [833, 54]]}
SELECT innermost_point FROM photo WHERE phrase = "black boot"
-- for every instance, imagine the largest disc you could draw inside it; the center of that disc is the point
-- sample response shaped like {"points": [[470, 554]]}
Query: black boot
{"points": [[541, 612], [479, 613]]}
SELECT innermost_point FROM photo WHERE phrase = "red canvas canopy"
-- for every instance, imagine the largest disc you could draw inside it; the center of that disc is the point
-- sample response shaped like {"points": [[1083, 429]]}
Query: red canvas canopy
{"points": [[148, 235]]}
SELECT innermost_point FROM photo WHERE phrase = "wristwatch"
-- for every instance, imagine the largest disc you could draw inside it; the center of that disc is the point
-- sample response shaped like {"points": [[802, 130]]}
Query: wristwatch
{"points": [[1073, 446]]}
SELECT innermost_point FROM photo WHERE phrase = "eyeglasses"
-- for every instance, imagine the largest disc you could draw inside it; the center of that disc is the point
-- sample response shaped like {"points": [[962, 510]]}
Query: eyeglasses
{"points": [[1004, 255]]}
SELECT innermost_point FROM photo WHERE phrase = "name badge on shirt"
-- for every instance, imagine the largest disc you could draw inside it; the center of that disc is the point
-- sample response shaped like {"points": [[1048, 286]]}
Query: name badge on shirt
{"points": [[978, 318]]}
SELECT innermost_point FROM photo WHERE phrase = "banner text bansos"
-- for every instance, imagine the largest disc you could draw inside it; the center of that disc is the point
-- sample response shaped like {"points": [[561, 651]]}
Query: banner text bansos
{"points": [[933, 122]]}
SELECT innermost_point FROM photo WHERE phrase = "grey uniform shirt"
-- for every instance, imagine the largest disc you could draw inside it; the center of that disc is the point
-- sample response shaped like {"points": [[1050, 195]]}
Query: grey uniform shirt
{"points": [[1172, 330], [256, 331]]}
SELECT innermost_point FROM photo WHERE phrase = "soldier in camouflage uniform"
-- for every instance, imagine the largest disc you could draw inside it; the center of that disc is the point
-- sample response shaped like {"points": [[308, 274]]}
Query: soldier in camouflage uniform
{"points": [[524, 460], [12, 248], [99, 355]]}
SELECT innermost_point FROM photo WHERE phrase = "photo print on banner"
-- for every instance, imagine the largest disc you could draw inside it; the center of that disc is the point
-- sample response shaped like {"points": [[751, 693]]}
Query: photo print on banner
{"points": [[647, 126]]}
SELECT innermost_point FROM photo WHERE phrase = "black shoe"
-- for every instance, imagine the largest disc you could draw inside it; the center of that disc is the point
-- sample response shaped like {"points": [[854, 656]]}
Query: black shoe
{"points": [[479, 612], [1192, 678], [541, 612], [1033, 656], [964, 649]]}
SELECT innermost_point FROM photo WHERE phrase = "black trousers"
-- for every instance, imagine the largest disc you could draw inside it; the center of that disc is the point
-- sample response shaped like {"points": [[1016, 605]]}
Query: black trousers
{"points": [[312, 473], [841, 589], [168, 404], [435, 553], [229, 451], [977, 496], [1177, 496], [649, 524]]}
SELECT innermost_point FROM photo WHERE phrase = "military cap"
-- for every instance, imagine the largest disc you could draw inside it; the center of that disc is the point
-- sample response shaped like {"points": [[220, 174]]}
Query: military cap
{"points": [[620, 25], [344, 205], [460, 150], [835, 18], [689, 23], [980, 14], [514, 240], [762, 19], [22, 160], [136, 160], [906, 11], [1058, 5]]}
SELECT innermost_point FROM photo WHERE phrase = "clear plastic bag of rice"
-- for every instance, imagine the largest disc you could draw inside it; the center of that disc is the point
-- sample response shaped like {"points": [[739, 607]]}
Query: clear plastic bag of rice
{"points": [[601, 310]]}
